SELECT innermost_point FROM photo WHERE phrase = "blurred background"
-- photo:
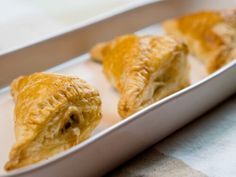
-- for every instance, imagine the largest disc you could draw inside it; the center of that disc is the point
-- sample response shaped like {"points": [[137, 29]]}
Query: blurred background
{"points": [[25, 21]]}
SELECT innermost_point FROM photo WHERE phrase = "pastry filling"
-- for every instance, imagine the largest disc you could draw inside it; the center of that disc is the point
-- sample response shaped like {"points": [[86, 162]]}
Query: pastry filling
{"points": [[71, 123]]}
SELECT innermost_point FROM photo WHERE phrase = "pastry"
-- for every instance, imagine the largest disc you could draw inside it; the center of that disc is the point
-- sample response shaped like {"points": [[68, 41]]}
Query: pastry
{"points": [[210, 36], [52, 113], [143, 69]]}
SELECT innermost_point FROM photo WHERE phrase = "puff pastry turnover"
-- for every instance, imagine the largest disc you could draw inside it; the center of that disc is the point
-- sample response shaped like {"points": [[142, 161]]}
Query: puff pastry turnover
{"points": [[210, 36], [143, 69], [52, 113]]}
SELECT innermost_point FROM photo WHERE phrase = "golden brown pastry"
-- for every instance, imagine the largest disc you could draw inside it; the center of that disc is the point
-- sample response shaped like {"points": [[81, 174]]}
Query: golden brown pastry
{"points": [[143, 69], [210, 36], [53, 113]]}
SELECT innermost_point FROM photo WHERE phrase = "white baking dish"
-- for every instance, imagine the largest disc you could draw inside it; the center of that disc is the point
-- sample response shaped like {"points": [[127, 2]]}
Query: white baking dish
{"points": [[114, 141]]}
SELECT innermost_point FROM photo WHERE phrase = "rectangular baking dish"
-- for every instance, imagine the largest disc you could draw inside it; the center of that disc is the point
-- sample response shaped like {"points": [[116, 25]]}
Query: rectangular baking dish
{"points": [[114, 141]]}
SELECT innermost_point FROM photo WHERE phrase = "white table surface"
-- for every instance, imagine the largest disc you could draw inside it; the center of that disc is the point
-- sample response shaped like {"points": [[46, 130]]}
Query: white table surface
{"points": [[24, 21], [208, 144]]}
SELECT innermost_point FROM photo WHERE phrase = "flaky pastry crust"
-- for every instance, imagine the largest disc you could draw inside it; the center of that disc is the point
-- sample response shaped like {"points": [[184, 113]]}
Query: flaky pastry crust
{"points": [[143, 69], [52, 113], [210, 36]]}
